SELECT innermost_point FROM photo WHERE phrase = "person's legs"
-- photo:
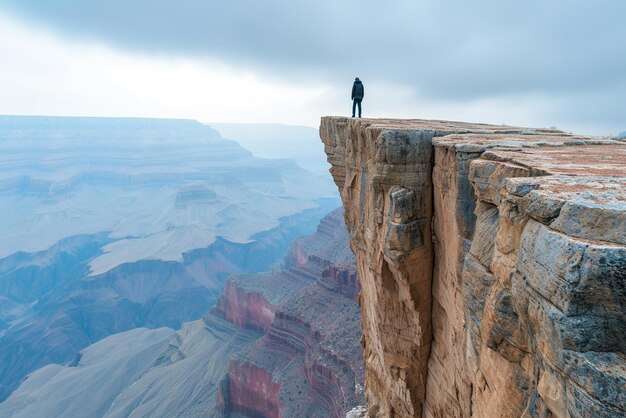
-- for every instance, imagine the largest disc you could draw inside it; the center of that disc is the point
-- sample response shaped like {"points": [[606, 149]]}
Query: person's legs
{"points": [[358, 102], [353, 106]]}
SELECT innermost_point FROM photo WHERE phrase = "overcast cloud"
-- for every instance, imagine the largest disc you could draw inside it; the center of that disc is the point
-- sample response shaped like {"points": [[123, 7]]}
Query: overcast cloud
{"points": [[557, 62]]}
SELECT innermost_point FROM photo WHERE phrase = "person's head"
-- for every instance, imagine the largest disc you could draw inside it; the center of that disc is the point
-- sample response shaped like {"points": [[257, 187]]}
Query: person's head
{"points": [[357, 79]]}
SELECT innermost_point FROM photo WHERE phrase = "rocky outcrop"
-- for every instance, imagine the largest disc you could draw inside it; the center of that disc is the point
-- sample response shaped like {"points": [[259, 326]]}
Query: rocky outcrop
{"points": [[308, 362], [310, 352], [250, 391], [195, 194], [492, 263], [246, 309], [250, 301]]}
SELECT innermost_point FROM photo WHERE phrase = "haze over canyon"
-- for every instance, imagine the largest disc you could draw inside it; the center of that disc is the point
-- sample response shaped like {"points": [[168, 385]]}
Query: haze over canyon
{"points": [[114, 224]]}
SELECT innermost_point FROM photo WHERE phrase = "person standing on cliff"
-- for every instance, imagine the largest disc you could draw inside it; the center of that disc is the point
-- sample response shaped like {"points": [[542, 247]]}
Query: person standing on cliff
{"points": [[357, 95]]}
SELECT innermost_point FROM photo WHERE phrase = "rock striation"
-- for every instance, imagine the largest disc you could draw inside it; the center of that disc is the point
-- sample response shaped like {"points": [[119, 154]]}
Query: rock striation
{"points": [[279, 344], [308, 362], [492, 264]]}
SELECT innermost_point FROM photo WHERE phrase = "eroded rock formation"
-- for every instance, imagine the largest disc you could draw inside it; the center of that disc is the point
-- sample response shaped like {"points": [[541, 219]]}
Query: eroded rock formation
{"points": [[308, 363], [280, 344], [108, 224], [492, 263]]}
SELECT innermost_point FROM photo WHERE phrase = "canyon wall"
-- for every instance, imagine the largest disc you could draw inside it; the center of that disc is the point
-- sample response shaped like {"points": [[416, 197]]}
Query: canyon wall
{"points": [[492, 263], [308, 361]]}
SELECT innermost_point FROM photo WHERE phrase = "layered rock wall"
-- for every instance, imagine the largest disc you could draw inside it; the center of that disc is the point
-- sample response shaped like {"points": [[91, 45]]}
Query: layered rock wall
{"points": [[492, 266], [250, 391], [308, 361], [246, 309], [309, 352]]}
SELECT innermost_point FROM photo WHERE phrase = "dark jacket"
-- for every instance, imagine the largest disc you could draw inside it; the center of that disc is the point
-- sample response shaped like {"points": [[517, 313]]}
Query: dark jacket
{"points": [[357, 90]]}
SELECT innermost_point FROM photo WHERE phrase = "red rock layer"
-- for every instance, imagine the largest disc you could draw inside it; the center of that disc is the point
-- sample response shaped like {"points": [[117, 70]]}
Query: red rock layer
{"points": [[344, 279], [251, 391], [310, 351], [308, 363], [315, 334], [246, 309]]}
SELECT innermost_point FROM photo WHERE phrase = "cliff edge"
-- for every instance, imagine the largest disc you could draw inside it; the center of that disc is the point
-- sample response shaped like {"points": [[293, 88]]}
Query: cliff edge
{"points": [[492, 262]]}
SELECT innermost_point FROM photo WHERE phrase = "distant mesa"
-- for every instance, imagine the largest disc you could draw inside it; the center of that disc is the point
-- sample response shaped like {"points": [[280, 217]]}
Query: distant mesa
{"points": [[88, 175], [622, 135], [195, 194]]}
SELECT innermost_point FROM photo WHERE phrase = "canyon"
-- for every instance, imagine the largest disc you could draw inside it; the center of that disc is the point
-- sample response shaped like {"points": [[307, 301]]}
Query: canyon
{"points": [[486, 277], [111, 224], [492, 266], [279, 344]]}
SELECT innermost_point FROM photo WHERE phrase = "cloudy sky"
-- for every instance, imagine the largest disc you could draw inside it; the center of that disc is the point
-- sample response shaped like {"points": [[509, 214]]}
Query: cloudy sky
{"points": [[535, 62]]}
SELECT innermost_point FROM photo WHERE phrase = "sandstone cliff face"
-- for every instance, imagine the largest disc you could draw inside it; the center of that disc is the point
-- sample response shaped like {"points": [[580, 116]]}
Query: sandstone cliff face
{"points": [[492, 263]]}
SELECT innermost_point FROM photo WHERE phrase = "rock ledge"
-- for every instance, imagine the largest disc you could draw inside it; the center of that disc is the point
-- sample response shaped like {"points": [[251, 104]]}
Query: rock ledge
{"points": [[492, 262]]}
